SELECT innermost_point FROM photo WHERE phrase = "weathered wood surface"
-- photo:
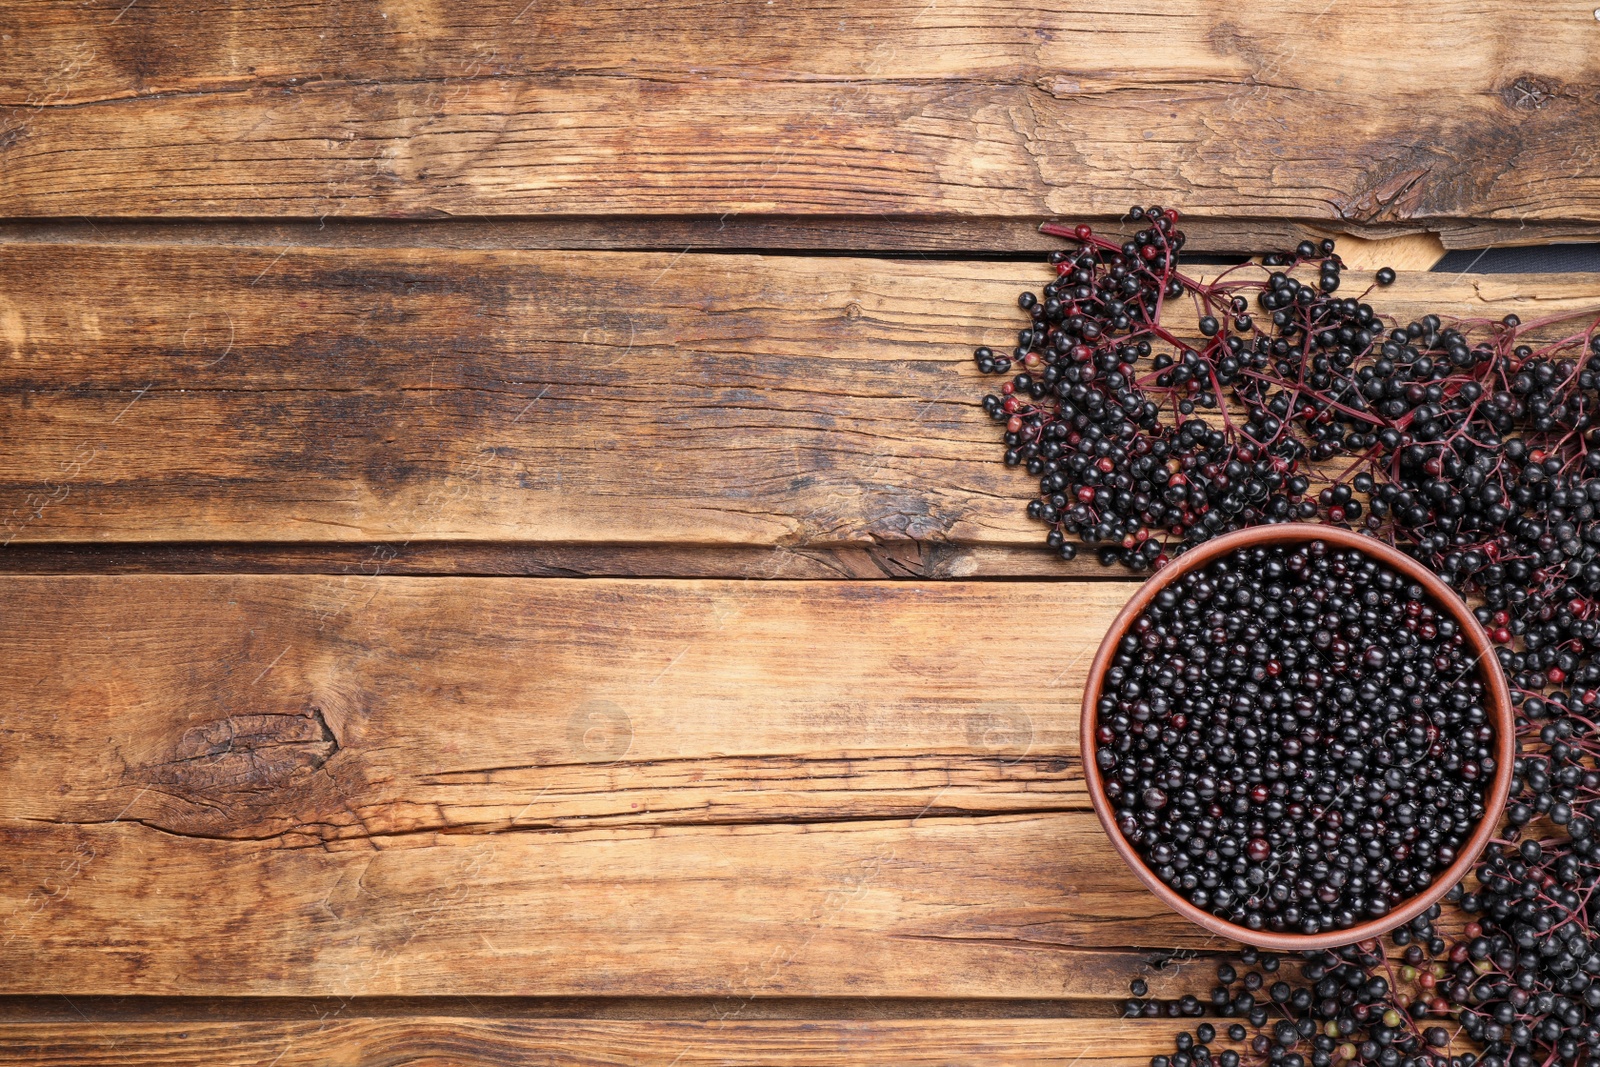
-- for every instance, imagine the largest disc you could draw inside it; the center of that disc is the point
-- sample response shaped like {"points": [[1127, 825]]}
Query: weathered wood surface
{"points": [[346, 1042], [301, 786], [265, 307], [968, 108], [173, 394]]}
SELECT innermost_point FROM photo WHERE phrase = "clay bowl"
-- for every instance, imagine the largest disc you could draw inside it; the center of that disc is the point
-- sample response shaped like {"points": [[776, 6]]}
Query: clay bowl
{"points": [[1499, 710]]}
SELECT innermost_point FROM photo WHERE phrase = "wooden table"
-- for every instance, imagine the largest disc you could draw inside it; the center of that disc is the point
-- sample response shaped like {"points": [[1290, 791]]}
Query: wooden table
{"points": [[503, 560]]}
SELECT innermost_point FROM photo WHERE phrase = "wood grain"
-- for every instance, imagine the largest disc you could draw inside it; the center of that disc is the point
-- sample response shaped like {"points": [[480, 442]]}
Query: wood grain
{"points": [[343, 1042], [389, 395], [970, 108], [267, 306], [292, 787]]}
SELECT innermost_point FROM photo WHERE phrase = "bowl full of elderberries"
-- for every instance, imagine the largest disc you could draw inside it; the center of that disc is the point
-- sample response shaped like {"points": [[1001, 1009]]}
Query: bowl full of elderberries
{"points": [[1297, 736]]}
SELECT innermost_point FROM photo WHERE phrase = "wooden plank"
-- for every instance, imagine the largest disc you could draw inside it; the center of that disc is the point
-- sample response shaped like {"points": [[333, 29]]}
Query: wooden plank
{"points": [[397, 395], [949, 907], [295, 786], [968, 108], [463, 372], [863, 714], [345, 1042]]}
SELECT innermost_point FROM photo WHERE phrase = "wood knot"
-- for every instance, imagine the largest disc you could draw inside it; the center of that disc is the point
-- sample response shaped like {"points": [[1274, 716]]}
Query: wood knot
{"points": [[245, 757], [1529, 93], [852, 311]]}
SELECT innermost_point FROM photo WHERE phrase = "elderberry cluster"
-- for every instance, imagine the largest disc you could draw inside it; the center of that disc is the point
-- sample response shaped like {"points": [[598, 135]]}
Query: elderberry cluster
{"points": [[1536, 999], [1349, 1005], [1295, 738], [1158, 410], [1452, 437]]}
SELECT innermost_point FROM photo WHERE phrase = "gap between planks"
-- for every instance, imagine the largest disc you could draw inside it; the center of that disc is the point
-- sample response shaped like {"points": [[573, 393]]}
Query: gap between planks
{"points": [[941, 237], [46, 1008], [890, 561]]}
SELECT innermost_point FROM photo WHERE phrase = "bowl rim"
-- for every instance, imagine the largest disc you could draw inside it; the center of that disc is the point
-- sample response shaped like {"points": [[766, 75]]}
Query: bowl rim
{"points": [[1499, 710]]}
